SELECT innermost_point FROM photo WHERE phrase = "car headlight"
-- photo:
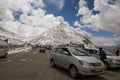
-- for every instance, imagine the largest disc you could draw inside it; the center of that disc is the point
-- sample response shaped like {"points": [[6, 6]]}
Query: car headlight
{"points": [[83, 63], [97, 64]]}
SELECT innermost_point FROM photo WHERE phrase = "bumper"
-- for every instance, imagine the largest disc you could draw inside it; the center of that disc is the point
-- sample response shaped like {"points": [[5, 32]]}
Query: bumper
{"points": [[115, 65], [91, 71]]}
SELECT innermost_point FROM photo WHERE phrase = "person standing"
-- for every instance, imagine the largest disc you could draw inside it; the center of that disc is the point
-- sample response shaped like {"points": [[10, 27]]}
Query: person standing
{"points": [[117, 52], [102, 54]]}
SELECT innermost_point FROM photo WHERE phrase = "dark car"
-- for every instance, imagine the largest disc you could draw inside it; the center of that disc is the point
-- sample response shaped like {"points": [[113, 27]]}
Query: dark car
{"points": [[42, 49], [3, 49]]}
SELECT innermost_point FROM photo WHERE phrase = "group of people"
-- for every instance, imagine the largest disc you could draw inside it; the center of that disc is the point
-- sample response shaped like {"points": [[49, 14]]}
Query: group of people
{"points": [[103, 54]]}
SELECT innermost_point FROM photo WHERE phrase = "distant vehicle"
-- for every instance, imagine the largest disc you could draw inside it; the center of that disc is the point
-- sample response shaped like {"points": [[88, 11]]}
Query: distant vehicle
{"points": [[77, 61], [112, 60], [42, 49], [48, 47], [3, 49], [34, 46]]}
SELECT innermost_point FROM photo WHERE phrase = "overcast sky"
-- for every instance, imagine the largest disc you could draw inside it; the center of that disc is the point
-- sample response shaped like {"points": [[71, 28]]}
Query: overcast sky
{"points": [[99, 19]]}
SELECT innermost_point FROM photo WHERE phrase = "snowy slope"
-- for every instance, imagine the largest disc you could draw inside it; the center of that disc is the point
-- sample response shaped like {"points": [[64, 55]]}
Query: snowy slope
{"points": [[62, 34], [12, 37]]}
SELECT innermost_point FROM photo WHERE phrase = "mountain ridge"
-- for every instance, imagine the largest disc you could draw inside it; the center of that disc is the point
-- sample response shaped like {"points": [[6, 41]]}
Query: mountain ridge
{"points": [[61, 35]]}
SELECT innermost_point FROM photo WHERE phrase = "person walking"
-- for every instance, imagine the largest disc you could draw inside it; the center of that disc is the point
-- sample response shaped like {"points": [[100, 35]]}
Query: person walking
{"points": [[117, 52], [102, 54]]}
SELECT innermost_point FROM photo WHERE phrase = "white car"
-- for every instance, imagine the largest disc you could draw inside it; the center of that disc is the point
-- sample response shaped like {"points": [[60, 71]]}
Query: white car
{"points": [[112, 60], [3, 49], [77, 61]]}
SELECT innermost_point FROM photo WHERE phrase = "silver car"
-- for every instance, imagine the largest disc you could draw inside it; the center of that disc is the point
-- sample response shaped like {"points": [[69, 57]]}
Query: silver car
{"points": [[3, 49], [77, 61]]}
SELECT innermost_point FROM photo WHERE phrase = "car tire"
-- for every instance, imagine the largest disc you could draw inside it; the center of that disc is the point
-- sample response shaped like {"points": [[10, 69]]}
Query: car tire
{"points": [[52, 63], [73, 72], [4, 56]]}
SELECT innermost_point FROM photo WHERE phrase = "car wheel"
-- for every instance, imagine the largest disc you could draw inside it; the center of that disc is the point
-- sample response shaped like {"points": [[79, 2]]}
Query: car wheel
{"points": [[4, 56], [73, 72], [52, 63], [106, 66]]}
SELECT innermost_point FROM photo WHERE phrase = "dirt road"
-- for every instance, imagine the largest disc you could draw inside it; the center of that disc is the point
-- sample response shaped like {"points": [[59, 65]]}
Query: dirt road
{"points": [[33, 65]]}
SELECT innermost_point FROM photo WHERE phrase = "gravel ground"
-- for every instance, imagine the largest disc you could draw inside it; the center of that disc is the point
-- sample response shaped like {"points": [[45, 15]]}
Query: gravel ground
{"points": [[33, 65]]}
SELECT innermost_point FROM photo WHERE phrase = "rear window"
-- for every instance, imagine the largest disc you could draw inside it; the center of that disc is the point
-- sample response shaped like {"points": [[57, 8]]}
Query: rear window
{"points": [[58, 50]]}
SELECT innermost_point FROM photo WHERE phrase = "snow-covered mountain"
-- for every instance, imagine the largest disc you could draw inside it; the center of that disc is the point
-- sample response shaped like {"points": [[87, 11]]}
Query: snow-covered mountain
{"points": [[12, 37], [60, 35]]}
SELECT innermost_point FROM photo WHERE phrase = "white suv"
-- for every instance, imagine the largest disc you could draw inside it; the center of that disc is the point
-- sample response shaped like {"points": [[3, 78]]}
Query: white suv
{"points": [[77, 61], [3, 49]]}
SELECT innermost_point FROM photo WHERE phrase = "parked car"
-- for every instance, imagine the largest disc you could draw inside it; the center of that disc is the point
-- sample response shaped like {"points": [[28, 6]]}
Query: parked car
{"points": [[112, 60], [3, 49], [77, 61], [42, 49]]}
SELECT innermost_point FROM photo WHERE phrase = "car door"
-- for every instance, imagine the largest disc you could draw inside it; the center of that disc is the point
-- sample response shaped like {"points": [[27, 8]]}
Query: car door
{"points": [[65, 57], [57, 56]]}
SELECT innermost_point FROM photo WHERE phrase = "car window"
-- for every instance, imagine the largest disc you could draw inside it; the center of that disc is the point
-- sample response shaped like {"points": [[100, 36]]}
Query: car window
{"points": [[53, 50], [58, 50], [109, 53], [64, 50]]}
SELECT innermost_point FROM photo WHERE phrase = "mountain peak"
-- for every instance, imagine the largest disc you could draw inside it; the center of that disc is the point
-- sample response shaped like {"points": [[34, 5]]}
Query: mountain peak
{"points": [[61, 35]]}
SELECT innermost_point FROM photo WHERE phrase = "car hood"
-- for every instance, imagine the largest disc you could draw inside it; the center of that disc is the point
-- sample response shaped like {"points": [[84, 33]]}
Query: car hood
{"points": [[113, 57], [89, 59]]}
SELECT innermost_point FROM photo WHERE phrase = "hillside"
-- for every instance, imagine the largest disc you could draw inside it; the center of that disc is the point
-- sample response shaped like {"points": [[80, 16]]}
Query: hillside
{"points": [[60, 35], [12, 37]]}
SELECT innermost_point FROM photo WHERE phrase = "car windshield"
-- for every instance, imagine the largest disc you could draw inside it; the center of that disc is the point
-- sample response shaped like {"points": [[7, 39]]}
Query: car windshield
{"points": [[79, 52], [109, 53]]}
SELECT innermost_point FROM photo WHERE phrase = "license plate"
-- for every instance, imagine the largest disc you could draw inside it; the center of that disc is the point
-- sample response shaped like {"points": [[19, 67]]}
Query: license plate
{"points": [[98, 69]]}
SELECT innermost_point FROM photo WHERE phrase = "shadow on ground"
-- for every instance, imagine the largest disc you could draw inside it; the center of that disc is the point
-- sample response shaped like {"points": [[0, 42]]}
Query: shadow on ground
{"points": [[80, 77], [116, 70]]}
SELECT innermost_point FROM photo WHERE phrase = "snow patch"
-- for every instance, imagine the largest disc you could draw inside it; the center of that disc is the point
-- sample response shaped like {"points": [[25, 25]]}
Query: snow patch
{"points": [[18, 50]]}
